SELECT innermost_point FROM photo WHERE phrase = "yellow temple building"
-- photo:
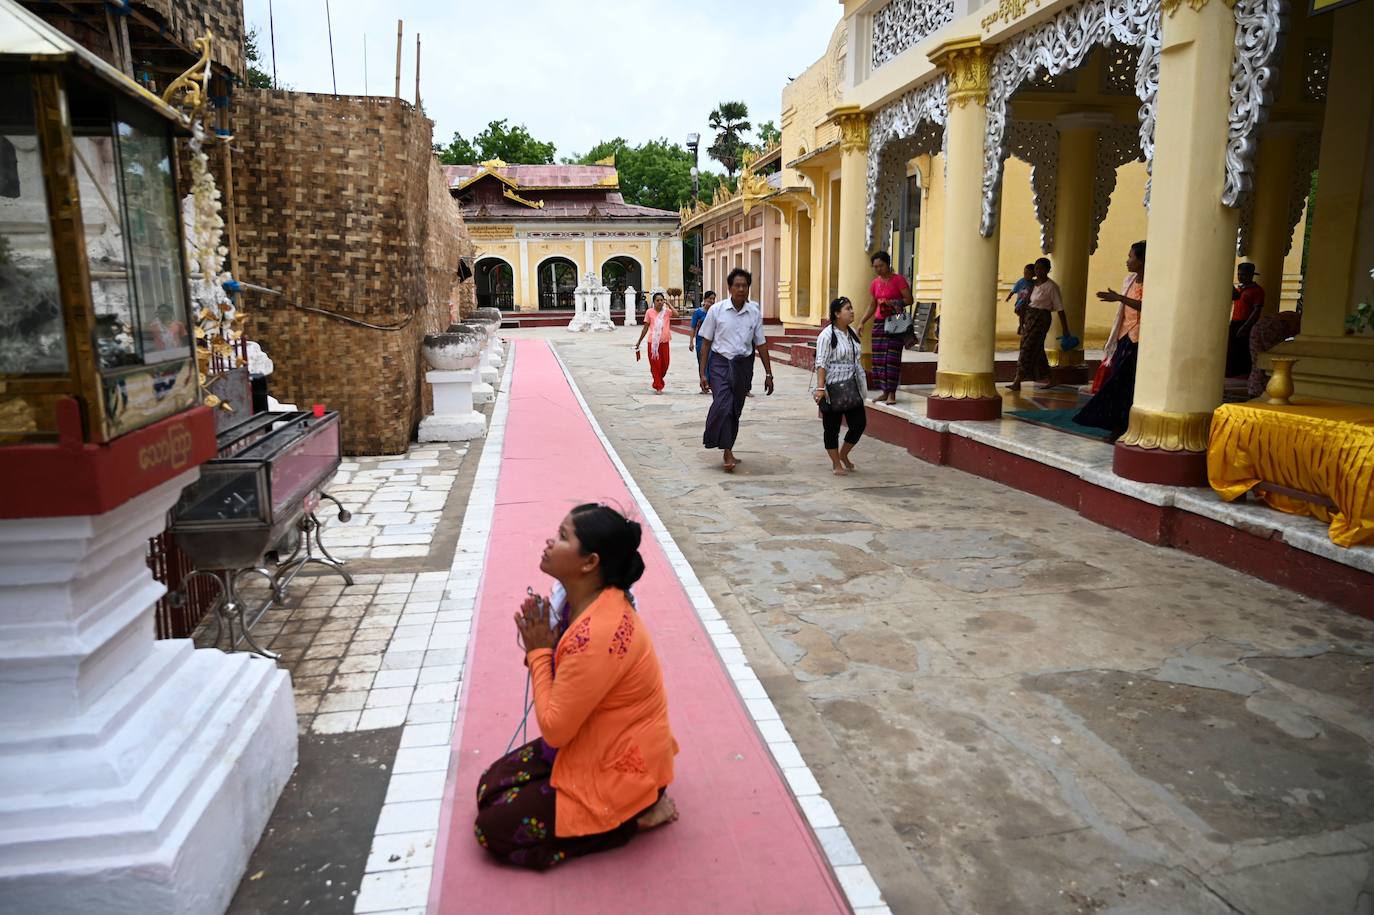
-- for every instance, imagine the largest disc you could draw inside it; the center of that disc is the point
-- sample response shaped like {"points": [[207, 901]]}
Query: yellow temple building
{"points": [[539, 229], [969, 139]]}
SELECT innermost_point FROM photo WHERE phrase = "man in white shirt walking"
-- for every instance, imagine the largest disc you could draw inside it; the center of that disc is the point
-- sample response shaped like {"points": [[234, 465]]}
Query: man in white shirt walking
{"points": [[730, 336]]}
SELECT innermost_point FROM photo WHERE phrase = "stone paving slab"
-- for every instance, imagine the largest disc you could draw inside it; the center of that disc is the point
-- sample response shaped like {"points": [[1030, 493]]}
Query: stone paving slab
{"points": [[1013, 709]]}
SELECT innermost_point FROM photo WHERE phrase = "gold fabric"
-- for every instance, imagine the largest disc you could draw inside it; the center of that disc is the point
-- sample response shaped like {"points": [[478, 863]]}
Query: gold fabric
{"points": [[1317, 447]]}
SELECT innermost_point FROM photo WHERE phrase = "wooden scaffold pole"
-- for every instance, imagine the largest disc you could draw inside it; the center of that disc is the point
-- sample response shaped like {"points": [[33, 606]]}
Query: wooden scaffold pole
{"points": [[399, 29]]}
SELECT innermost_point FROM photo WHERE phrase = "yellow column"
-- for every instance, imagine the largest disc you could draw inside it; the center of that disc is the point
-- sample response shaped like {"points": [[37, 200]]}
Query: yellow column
{"points": [[1340, 175], [964, 386], [854, 270], [1275, 160], [1073, 228], [1332, 364], [1191, 249]]}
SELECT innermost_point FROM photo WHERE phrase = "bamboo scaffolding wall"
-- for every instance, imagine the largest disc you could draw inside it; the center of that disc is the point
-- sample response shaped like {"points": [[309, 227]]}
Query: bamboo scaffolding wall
{"points": [[336, 210]]}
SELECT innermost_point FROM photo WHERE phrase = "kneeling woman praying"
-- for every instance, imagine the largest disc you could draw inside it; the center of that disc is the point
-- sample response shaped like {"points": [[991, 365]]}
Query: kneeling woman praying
{"points": [[599, 774]]}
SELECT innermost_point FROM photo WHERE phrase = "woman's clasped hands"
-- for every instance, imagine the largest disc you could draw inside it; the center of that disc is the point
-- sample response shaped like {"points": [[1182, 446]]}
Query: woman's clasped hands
{"points": [[533, 623]]}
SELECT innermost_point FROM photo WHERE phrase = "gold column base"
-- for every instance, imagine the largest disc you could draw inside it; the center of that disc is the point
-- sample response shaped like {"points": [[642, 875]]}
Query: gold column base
{"points": [[1058, 357], [965, 385], [1168, 431]]}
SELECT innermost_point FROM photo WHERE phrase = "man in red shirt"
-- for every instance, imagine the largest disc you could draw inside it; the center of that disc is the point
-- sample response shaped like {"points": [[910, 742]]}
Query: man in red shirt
{"points": [[1247, 304]]}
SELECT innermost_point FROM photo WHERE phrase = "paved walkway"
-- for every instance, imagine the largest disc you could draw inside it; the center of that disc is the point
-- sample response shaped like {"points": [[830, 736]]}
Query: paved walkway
{"points": [[739, 825], [1011, 708]]}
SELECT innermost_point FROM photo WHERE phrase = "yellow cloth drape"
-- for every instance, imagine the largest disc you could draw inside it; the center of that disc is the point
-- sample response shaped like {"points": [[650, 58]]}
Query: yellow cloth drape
{"points": [[1322, 448]]}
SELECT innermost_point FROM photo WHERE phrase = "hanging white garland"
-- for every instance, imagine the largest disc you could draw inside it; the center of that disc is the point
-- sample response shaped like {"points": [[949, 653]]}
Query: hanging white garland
{"points": [[218, 323]]}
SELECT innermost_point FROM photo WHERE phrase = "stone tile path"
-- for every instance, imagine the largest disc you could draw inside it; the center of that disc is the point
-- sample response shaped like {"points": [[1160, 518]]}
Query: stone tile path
{"points": [[397, 502]]}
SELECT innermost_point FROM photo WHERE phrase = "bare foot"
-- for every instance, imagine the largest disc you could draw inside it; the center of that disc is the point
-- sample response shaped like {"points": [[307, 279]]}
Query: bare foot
{"points": [[661, 814], [848, 464], [839, 471]]}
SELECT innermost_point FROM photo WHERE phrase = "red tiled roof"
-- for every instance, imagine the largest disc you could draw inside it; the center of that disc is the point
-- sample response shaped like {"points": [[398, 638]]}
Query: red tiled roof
{"points": [[540, 175], [612, 206]]}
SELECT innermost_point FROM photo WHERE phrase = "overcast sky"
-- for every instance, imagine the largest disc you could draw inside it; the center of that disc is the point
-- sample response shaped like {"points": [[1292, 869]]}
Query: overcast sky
{"points": [[574, 73]]}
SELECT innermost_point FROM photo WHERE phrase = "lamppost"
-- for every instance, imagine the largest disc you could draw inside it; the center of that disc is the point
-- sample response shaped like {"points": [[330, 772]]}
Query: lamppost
{"points": [[693, 143]]}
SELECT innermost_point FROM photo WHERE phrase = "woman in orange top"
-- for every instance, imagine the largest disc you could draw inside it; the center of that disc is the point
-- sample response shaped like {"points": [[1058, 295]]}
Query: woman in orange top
{"points": [[599, 773], [1110, 407]]}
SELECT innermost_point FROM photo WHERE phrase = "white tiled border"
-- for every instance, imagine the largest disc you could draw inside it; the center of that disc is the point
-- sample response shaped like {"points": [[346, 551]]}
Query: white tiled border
{"points": [[400, 865], [862, 891]]}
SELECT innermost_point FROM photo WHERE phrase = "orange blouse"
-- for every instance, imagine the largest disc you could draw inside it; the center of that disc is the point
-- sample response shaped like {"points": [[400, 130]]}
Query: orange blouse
{"points": [[607, 713]]}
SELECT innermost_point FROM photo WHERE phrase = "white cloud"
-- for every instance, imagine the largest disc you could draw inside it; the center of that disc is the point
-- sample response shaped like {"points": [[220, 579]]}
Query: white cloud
{"points": [[574, 73]]}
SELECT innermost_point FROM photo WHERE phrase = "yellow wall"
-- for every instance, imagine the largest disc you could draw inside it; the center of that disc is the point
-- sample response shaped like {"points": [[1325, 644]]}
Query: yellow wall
{"points": [[669, 273]]}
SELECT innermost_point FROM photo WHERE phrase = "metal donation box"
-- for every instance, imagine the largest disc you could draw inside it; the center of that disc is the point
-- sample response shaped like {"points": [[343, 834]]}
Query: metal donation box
{"points": [[99, 387]]}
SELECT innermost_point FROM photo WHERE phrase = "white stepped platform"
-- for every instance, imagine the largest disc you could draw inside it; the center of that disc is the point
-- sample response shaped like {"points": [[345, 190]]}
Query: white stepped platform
{"points": [[136, 776]]}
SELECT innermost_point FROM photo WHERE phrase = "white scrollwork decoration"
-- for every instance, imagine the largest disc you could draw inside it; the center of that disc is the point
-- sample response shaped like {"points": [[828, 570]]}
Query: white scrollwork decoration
{"points": [[1299, 187], [1259, 27], [1116, 145], [905, 127], [1057, 46], [902, 23], [1037, 144]]}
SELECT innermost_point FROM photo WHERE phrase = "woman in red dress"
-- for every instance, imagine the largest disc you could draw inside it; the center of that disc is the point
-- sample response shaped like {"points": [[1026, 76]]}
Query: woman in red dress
{"points": [[658, 327]]}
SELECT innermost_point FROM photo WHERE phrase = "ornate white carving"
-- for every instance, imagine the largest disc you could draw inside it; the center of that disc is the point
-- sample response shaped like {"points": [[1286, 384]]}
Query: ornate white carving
{"points": [[1259, 24], [905, 127], [902, 23], [1062, 44], [1037, 144], [1116, 145], [1299, 187], [1309, 150]]}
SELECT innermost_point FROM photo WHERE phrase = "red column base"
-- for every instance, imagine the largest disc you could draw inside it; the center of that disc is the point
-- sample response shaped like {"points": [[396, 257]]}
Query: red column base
{"points": [[952, 409], [1154, 465]]}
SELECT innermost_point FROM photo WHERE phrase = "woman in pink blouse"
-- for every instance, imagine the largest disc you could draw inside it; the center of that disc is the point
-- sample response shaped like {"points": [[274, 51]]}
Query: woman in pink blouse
{"points": [[889, 294]]}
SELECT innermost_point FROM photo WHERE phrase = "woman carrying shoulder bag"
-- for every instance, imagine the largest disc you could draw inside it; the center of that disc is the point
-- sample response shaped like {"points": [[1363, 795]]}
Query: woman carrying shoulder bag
{"points": [[839, 389]]}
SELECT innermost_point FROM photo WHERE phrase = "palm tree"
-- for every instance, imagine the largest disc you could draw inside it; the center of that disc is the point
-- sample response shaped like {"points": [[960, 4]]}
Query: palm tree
{"points": [[729, 120]]}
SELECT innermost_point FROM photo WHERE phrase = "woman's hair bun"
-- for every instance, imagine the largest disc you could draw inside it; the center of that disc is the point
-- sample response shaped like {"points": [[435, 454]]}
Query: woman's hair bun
{"points": [[614, 538]]}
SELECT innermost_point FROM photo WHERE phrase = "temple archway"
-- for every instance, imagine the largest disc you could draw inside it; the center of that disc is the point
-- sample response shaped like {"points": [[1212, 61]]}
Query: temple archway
{"points": [[495, 284], [557, 283], [622, 272]]}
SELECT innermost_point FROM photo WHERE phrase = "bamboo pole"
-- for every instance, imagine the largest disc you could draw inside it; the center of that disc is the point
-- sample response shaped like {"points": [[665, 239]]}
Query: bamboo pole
{"points": [[399, 25], [228, 195], [417, 69]]}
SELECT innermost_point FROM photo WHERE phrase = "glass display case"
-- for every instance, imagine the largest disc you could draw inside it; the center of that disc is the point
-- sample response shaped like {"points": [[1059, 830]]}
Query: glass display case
{"points": [[269, 474], [93, 293]]}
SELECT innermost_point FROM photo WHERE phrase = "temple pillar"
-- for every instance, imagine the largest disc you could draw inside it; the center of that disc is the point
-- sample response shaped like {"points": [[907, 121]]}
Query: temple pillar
{"points": [[1073, 228], [854, 269], [1190, 257], [1332, 364], [1271, 228], [521, 286], [964, 387]]}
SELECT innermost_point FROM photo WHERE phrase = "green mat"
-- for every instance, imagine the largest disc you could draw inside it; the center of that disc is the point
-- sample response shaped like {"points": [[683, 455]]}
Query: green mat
{"points": [[1061, 420]]}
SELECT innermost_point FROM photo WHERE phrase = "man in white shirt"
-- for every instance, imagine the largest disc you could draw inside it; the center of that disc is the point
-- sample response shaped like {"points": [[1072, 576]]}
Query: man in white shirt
{"points": [[730, 336]]}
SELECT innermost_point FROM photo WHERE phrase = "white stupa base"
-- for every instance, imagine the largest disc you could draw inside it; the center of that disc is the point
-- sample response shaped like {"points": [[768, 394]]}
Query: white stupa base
{"points": [[490, 376], [453, 427], [483, 393], [135, 775]]}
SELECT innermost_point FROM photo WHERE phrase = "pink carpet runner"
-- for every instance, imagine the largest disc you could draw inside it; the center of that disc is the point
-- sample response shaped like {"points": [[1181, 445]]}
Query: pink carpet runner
{"points": [[741, 845]]}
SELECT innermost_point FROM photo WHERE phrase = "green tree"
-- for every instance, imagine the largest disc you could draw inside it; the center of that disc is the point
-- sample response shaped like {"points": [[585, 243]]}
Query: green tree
{"points": [[512, 145], [458, 151], [656, 174], [769, 136], [729, 120], [257, 77]]}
